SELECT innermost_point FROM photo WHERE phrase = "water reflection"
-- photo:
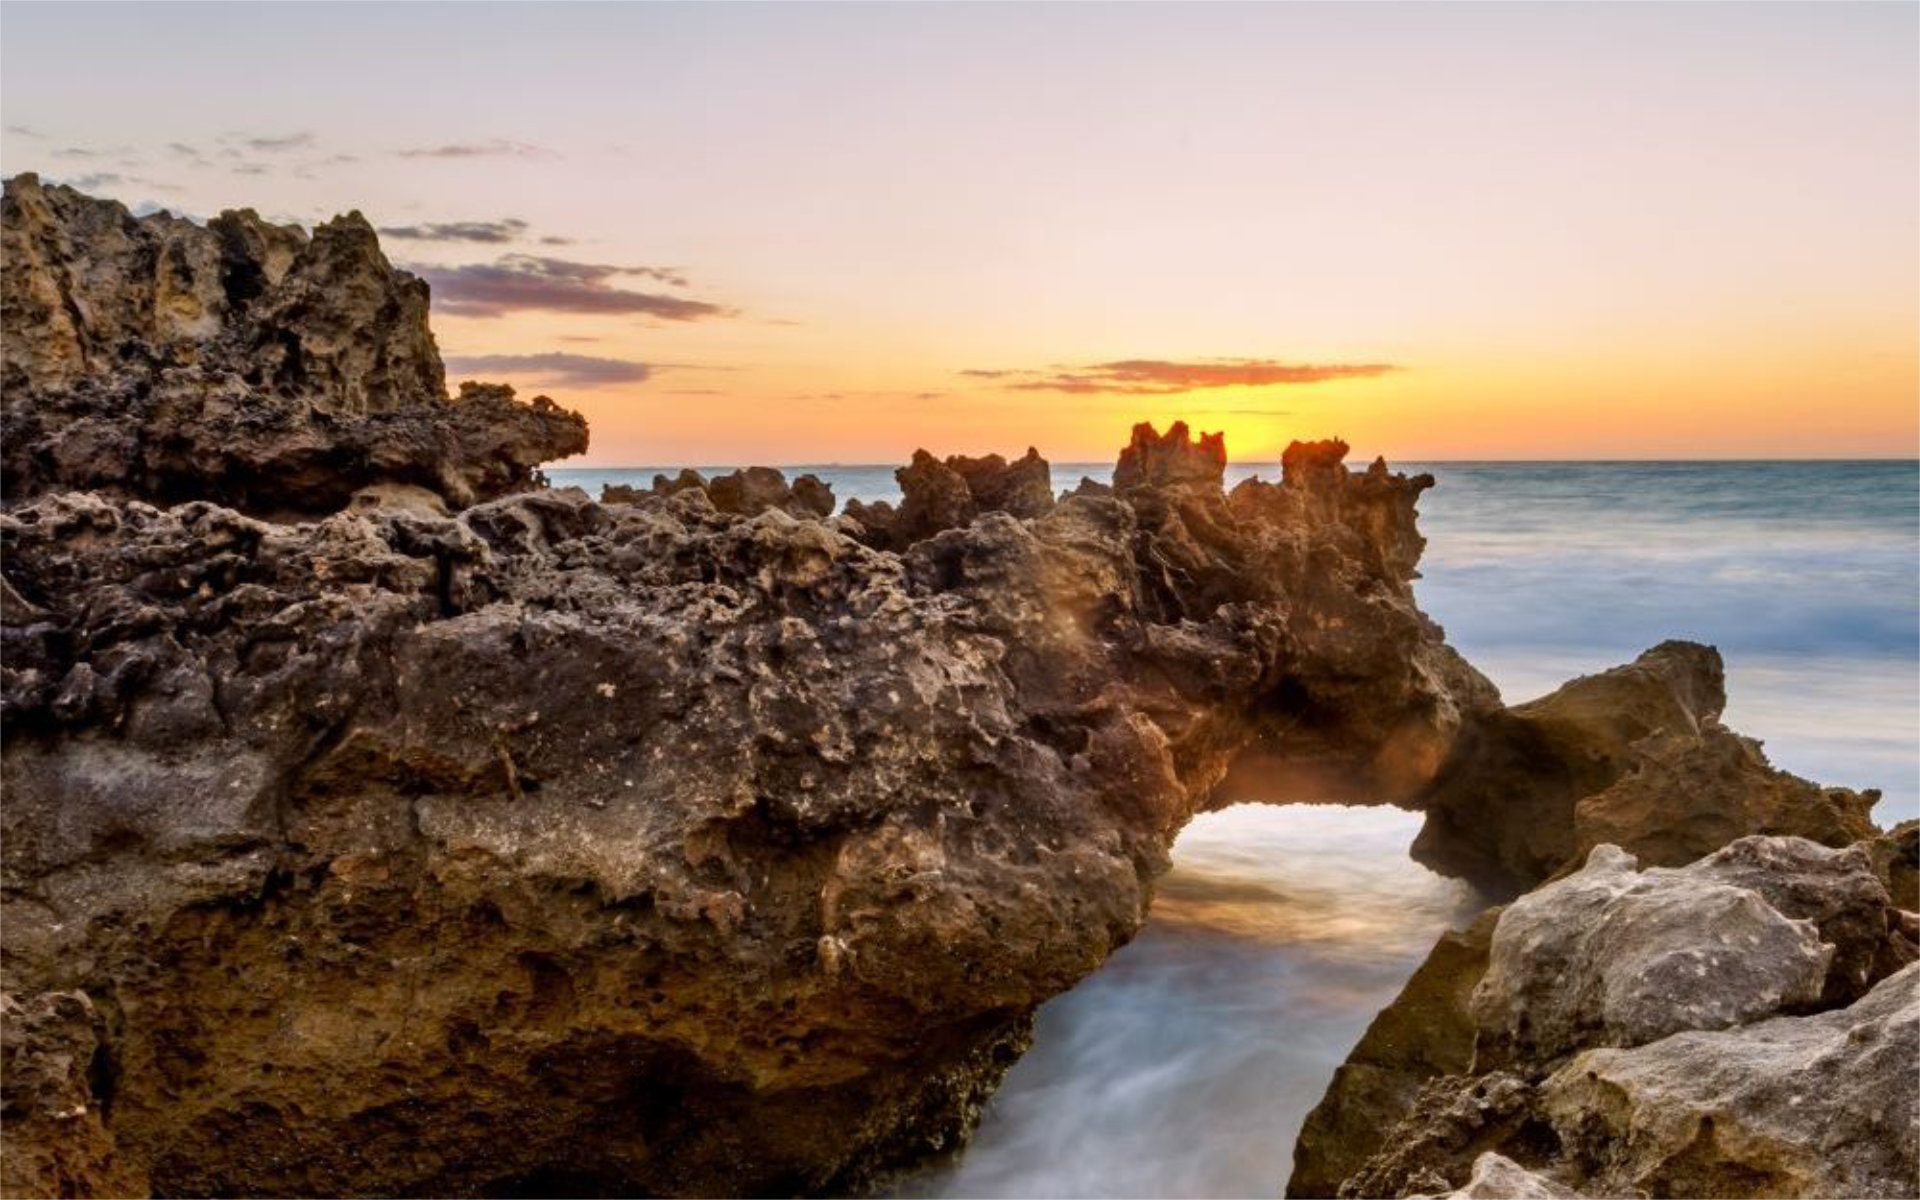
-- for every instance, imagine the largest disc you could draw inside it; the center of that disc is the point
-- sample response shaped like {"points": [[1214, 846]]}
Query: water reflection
{"points": [[1185, 1065]]}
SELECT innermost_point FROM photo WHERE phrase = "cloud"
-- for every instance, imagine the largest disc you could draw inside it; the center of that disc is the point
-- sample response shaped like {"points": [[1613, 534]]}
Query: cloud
{"points": [[97, 179], [521, 282], [507, 229], [1159, 377], [560, 370], [23, 131], [494, 148], [276, 145]]}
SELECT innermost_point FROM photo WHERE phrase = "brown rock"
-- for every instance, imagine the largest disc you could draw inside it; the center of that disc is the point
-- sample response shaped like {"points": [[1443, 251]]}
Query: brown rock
{"points": [[564, 846], [239, 362], [56, 1141]]}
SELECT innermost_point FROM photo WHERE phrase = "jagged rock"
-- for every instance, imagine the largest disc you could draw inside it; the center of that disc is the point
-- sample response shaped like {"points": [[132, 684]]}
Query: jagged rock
{"points": [[1818, 1105], [238, 362], [937, 496], [1453, 1122], [1896, 859], [745, 493], [642, 846], [1427, 1031], [1633, 757], [1023, 488], [1172, 459]]}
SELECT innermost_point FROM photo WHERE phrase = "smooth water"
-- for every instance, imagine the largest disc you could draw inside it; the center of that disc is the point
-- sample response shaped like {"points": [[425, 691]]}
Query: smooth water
{"points": [[1185, 1065]]}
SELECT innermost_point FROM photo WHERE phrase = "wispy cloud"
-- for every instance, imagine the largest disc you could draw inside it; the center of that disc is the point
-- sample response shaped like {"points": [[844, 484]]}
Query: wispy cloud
{"points": [[94, 181], [522, 282], [23, 131], [1160, 377], [492, 148], [278, 144], [507, 229], [559, 370]]}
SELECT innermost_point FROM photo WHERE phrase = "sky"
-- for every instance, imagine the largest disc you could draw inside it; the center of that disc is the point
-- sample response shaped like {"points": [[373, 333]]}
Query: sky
{"points": [[834, 233]]}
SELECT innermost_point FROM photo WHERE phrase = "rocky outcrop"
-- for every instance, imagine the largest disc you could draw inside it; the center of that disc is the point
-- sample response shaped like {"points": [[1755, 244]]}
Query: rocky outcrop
{"points": [[937, 496], [465, 836], [745, 493], [1634, 757], [681, 844], [239, 362], [1660, 1032]]}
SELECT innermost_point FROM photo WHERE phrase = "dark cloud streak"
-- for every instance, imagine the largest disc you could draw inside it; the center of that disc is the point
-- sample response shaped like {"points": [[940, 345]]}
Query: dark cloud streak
{"points": [[523, 282], [560, 370], [507, 229]]}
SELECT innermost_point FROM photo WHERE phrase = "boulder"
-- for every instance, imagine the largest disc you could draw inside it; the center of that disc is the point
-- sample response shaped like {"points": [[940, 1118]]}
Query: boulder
{"points": [[1820, 1105], [1633, 757], [1667, 1032]]}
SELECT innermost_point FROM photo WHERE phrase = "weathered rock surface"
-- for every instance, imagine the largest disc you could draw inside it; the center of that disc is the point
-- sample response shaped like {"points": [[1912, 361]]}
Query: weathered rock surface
{"points": [[683, 844], [1633, 757], [742, 846], [1820, 1105], [1721, 991], [56, 1143], [240, 362]]}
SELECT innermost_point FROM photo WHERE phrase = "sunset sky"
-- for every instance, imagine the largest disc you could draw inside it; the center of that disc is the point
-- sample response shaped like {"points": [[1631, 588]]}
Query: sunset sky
{"points": [[821, 233]]}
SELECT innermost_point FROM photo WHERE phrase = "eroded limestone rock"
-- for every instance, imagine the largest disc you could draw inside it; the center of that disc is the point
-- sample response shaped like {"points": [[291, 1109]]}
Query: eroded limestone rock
{"points": [[239, 362], [642, 846]]}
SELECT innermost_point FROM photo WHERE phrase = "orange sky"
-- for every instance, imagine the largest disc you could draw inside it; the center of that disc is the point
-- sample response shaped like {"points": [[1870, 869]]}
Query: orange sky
{"points": [[755, 233]]}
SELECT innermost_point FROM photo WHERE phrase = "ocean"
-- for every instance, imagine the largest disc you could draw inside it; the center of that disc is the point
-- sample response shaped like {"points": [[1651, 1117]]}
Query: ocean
{"points": [[1185, 1065]]}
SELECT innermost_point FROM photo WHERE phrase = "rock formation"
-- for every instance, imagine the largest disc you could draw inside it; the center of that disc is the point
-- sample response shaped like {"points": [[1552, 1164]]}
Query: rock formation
{"points": [[239, 362], [379, 821], [689, 843], [746, 493], [1634, 757], [1745, 1025], [937, 496]]}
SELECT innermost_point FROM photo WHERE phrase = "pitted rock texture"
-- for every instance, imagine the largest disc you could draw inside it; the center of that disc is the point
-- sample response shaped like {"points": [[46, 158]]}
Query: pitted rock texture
{"points": [[1664, 1032], [1634, 757], [647, 846], [240, 362]]}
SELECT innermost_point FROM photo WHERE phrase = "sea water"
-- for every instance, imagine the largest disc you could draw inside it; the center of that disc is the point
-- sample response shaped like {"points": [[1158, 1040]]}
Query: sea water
{"points": [[1185, 1066]]}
